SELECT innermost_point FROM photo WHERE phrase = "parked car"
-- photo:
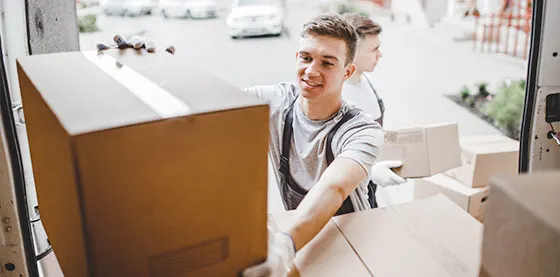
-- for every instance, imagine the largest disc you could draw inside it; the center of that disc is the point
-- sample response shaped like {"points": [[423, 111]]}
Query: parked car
{"points": [[128, 7], [256, 17], [189, 8]]}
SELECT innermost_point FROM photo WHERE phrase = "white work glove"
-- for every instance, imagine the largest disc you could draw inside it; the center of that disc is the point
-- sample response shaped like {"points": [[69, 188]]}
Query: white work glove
{"points": [[281, 253], [382, 175]]}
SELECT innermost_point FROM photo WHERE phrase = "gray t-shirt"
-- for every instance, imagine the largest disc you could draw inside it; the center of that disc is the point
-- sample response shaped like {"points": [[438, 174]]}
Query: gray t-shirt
{"points": [[359, 139]]}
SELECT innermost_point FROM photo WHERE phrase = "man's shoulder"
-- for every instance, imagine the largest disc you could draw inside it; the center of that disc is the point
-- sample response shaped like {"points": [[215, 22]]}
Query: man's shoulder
{"points": [[272, 92], [361, 117]]}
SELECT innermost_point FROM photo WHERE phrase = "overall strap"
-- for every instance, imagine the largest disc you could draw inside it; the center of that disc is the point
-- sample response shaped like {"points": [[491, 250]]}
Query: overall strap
{"points": [[347, 206], [347, 116]]}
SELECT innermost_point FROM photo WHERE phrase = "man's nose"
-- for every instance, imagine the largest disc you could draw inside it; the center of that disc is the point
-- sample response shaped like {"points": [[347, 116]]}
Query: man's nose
{"points": [[312, 69]]}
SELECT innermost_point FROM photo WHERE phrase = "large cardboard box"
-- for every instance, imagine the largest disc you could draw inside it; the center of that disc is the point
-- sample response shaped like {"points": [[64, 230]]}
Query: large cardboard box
{"points": [[326, 255], [429, 237], [472, 200], [137, 162], [425, 151], [522, 227], [484, 157]]}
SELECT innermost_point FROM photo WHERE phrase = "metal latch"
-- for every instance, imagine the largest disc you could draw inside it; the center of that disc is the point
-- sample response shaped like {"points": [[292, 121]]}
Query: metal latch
{"points": [[553, 135], [19, 118]]}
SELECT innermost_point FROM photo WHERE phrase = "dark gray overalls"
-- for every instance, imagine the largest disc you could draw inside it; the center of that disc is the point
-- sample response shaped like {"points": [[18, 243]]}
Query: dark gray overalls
{"points": [[292, 192]]}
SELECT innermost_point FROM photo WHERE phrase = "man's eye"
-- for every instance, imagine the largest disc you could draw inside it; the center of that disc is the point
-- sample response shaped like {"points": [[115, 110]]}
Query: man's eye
{"points": [[327, 64], [305, 59]]}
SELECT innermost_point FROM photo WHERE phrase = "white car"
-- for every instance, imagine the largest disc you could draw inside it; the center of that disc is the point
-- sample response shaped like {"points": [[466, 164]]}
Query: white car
{"points": [[128, 7], [256, 17], [188, 8]]}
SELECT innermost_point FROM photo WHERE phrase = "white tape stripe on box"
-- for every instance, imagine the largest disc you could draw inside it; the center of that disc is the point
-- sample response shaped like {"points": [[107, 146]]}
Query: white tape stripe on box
{"points": [[161, 101]]}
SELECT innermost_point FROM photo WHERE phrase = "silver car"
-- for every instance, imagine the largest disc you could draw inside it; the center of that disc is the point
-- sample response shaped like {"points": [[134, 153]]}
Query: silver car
{"points": [[128, 7], [188, 8]]}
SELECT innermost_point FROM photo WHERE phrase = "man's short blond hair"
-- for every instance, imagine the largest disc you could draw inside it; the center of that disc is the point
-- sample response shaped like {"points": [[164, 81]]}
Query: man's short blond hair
{"points": [[363, 25], [334, 26]]}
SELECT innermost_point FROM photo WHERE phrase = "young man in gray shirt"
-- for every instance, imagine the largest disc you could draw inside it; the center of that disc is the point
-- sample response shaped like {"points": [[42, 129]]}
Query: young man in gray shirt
{"points": [[306, 118], [323, 148]]}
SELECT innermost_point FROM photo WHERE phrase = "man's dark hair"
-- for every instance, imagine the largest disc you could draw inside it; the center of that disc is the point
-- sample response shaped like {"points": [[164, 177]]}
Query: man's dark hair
{"points": [[334, 26], [363, 25]]}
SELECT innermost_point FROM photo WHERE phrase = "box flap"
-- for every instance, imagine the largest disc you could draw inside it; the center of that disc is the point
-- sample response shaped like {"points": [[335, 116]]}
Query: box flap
{"points": [[431, 237], [443, 147], [328, 254], [86, 98]]}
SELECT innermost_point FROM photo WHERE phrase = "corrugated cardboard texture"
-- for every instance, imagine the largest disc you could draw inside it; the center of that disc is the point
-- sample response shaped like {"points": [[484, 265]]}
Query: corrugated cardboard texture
{"points": [[425, 151], [328, 254], [183, 196], [483, 158], [472, 200], [430, 237], [522, 226]]}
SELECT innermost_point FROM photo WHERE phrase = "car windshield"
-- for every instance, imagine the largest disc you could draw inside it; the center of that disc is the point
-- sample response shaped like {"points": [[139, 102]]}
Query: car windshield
{"points": [[257, 2]]}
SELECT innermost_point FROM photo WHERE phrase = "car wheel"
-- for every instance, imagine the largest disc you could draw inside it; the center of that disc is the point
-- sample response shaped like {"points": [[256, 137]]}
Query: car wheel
{"points": [[234, 37], [165, 15], [188, 14], [107, 12]]}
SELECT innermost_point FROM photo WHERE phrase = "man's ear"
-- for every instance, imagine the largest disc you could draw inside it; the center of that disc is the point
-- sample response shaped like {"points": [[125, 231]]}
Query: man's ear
{"points": [[297, 55], [350, 69]]}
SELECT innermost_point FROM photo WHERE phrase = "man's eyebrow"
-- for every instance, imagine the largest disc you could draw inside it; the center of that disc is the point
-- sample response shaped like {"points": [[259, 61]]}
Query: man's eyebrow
{"points": [[330, 57]]}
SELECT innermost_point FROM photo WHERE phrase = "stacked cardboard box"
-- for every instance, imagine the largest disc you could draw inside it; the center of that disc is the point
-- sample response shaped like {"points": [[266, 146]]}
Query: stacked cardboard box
{"points": [[428, 237], [467, 185], [522, 227], [424, 151], [124, 148]]}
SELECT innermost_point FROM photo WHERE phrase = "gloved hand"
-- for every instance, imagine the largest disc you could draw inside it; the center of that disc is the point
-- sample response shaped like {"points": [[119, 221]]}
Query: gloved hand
{"points": [[382, 175], [281, 253]]}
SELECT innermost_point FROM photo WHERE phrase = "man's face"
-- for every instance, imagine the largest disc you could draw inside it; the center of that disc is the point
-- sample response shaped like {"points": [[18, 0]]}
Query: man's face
{"points": [[367, 53], [321, 68]]}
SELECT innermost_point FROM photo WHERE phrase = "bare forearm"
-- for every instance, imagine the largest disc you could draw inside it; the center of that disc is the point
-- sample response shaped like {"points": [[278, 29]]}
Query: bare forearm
{"points": [[313, 214], [324, 199]]}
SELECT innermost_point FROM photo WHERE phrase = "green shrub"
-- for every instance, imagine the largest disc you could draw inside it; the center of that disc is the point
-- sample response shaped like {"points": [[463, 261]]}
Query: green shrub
{"points": [[465, 93], [483, 90], [507, 107], [87, 23]]}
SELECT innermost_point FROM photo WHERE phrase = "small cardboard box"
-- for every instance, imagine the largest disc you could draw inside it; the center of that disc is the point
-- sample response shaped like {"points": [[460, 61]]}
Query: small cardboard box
{"points": [[136, 159], [429, 237], [484, 157], [425, 151], [471, 200], [522, 226]]}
